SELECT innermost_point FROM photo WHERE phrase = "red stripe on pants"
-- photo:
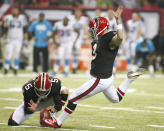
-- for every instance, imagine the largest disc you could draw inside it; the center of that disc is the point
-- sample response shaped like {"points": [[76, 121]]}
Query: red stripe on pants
{"points": [[86, 92]]}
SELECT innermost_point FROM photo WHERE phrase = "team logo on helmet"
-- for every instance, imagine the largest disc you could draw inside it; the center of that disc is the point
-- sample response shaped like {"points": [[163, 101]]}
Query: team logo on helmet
{"points": [[97, 22]]}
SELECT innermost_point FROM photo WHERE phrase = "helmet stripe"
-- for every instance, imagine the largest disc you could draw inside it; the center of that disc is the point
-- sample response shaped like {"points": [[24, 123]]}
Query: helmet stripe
{"points": [[42, 81], [45, 81], [102, 30]]}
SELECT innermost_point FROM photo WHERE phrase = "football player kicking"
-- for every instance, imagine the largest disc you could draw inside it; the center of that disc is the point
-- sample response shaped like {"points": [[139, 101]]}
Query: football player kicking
{"points": [[104, 51], [42, 92]]}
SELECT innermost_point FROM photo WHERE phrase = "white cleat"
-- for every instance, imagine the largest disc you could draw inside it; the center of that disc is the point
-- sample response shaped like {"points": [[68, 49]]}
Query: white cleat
{"points": [[135, 74]]}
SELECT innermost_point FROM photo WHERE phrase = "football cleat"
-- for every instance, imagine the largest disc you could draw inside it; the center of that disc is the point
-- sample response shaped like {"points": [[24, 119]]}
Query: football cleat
{"points": [[15, 71], [65, 74], [5, 71], [74, 71], [52, 123], [135, 74]]}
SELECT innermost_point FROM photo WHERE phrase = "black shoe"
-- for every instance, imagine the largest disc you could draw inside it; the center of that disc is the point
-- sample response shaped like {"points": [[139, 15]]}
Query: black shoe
{"points": [[15, 71], [5, 71], [74, 71]]}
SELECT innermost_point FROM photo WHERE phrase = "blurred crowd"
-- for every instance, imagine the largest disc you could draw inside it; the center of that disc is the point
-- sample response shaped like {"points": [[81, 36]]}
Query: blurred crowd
{"points": [[93, 3], [30, 43]]}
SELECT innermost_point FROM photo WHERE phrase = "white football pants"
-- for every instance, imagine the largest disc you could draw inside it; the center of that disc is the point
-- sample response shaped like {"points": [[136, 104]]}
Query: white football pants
{"points": [[94, 86], [13, 48]]}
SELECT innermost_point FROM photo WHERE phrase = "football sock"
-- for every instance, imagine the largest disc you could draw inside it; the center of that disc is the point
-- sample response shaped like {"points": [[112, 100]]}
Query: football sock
{"points": [[56, 66], [7, 64], [66, 68], [123, 87], [62, 117], [151, 70], [16, 64], [67, 111], [129, 60], [75, 63], [64, 98]]}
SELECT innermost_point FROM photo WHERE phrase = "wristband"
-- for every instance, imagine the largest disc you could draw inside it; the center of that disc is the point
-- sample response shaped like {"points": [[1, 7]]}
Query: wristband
{"points": [[119, 26]]}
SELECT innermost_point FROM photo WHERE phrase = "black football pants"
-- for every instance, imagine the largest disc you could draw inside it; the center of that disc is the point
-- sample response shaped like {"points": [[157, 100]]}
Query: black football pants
{"points": [[43, 60]]}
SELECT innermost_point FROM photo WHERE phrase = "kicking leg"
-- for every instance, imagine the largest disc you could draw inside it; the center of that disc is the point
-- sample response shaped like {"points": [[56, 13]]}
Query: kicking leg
{"points": [[116, 95]]}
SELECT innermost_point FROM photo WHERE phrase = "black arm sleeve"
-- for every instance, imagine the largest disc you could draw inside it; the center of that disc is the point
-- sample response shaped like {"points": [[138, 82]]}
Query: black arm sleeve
{"points": [[58, 104], [26, 105], [28, 94]]}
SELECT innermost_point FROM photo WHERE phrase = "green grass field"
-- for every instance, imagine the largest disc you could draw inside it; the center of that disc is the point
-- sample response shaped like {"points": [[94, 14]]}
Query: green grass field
{"points": [[142, 108]]}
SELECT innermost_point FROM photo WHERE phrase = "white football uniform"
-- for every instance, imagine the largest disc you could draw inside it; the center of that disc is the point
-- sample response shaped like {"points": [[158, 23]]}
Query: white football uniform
{"points": [[14, 35], [66, 39], [112, 24], [130, 43], [79, 25]]}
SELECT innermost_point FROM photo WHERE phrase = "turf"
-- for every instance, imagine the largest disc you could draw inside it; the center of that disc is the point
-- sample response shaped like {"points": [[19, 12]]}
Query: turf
{"points": [[140, 107]]}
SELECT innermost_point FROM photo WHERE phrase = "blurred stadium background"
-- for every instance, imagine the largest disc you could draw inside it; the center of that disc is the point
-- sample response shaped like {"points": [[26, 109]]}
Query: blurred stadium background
{"points": [[142, 109], [151, 11]]}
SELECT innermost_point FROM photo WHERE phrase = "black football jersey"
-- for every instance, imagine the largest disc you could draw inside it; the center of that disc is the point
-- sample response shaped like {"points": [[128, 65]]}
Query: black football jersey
{"points": [[29, 94], [103, 57]]}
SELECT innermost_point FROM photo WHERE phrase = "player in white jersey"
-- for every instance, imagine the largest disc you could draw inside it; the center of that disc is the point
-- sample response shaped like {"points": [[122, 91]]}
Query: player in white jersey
{"points": [[14, 25], [112, 21], [134, 33], [79, 23], [65, 44], [113, 25]]}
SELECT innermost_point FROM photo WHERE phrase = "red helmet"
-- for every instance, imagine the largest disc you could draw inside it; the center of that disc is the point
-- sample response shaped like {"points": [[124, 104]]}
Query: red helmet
{"points": [[98, 25], [42, 85]]}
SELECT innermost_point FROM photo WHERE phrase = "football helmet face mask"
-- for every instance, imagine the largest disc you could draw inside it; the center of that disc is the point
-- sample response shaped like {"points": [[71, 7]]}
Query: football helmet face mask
{"points": [[97, 26], [42, 85]]}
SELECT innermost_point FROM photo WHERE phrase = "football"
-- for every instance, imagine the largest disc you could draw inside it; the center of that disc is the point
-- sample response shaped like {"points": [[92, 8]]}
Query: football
{"points": [[44, 113]]}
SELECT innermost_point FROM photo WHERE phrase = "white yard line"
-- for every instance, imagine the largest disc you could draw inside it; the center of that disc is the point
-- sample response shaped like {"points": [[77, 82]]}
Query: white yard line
{"points": [[70, 90], [131, 90], [101, 107], [120, 108], [155, 125], [3, 123], [130, 109], [99, 126], [10, 99], [154, 107], [24, 126], [31, 75], [8, 107], [11, 90]]}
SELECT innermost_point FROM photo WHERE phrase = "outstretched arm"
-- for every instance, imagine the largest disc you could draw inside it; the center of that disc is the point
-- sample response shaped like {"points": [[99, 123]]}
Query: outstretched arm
{"points": [[117, 39]]}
